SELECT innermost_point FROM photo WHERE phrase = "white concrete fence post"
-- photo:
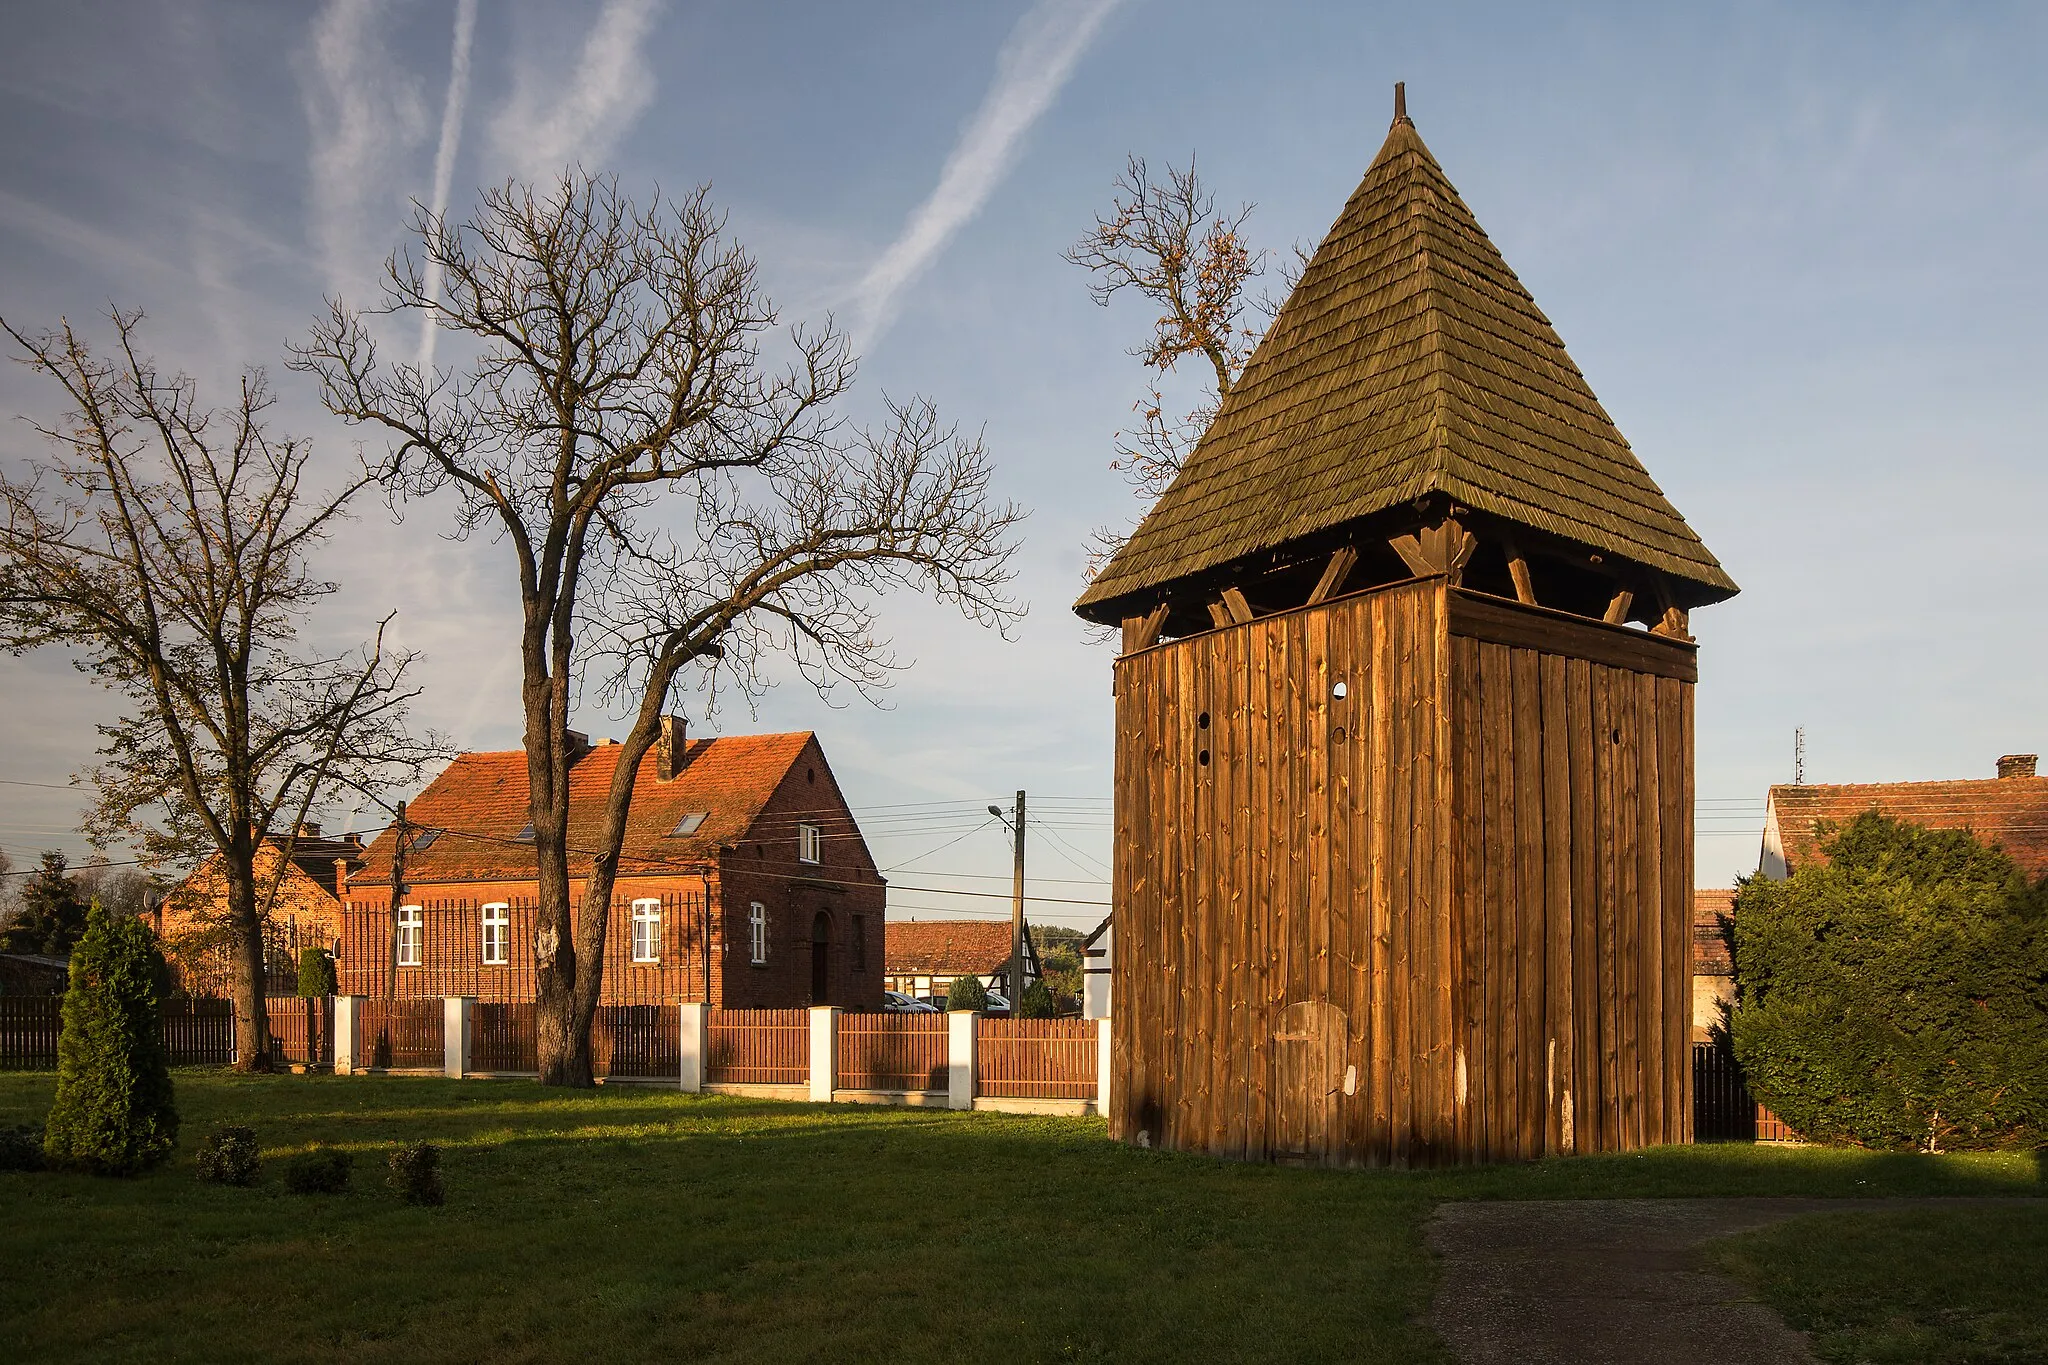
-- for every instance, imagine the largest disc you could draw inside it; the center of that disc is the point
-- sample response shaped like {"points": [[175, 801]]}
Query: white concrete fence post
{"points": [[455, 1017], [824, 1051], [690, 1034], [960, 1059], [345, 1034], [1102, 1066]]}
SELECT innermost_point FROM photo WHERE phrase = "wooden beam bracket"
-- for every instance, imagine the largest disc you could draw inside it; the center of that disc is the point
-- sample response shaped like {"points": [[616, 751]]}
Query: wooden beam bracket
{"points": [[1142, 632], [1518, 570], [1443, 549], [1334, 573], [1617, 607]]}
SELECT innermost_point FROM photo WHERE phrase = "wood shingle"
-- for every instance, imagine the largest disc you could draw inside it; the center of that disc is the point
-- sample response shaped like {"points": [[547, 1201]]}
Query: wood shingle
{"points": [[1409, 361]]}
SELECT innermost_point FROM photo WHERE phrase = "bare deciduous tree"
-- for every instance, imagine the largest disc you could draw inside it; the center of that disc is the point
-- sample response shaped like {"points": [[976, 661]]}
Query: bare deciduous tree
{"points": [[165, 546], [1166, 241], [676, 507]]}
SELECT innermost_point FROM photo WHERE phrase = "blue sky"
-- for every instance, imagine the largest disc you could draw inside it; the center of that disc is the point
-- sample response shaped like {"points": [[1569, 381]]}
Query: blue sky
{"points": [[1795, 249]]}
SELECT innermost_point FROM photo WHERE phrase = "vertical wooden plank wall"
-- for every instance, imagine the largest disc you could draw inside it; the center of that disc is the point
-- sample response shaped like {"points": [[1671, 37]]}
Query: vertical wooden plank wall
{"points": [[1573, 809], [1284, 888], [1465, 885]]}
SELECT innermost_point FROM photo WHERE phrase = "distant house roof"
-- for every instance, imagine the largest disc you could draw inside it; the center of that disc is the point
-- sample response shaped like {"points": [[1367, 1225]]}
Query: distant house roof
{"points": [[472, 823], [946, 947], [1408, 361], [1709, 947], [2010, 811]]}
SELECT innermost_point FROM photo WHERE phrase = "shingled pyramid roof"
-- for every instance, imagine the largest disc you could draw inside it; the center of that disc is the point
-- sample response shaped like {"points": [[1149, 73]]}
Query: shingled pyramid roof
{"points": [[1408, 361]]}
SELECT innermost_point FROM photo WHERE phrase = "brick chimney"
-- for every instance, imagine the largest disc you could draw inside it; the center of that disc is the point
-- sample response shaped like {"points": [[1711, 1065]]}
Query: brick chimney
{"points": [[671, 750], [2017, 765]]}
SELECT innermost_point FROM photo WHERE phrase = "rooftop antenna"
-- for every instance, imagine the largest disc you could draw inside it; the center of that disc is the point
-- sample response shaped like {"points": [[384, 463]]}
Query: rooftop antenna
{"points": [[1799, 756]]}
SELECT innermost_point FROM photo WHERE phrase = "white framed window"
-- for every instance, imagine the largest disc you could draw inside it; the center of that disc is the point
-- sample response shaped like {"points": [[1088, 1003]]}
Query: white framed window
{"points": [[757, 933], [497, 934], [412, 934], [647, 930], [808, 841]]}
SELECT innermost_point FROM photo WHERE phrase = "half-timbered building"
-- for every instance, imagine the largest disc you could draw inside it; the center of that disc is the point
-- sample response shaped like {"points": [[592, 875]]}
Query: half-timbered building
{"points": [[1404, 747]]}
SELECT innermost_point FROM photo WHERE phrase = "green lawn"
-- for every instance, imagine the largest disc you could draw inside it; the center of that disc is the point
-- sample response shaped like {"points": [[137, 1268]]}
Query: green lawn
{"points": [[1942, 1286], [631, 1223]]}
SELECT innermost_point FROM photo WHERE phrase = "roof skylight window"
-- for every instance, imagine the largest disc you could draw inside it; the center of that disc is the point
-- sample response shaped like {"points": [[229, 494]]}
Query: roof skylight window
{"points": [[688, 824]]}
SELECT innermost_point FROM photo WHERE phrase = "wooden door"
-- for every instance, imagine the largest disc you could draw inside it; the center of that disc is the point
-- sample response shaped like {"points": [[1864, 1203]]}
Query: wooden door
{"points": [[1308, 1075]]}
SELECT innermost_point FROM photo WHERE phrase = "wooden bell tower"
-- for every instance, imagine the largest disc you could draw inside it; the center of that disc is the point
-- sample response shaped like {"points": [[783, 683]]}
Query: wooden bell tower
{"points": [[1404, 770]]}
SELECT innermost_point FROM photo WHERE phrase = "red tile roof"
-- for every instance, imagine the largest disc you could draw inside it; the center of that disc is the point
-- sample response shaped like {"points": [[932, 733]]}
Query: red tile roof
{"points": [[478, 806], [2011, 812], [946, 947], [1709, 949]]}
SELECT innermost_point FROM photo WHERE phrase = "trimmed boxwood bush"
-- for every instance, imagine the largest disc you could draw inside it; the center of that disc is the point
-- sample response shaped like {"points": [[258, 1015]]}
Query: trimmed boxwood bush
{"points": [[21, 1147], [967, 993], [1037, 1002], [416, 1173], [227, 1155], [115, 1113], [320, 1171], [1897, 995]]}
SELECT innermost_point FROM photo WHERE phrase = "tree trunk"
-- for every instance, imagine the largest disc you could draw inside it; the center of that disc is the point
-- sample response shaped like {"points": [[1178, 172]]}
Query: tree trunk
{"points": [[252, 1021]]}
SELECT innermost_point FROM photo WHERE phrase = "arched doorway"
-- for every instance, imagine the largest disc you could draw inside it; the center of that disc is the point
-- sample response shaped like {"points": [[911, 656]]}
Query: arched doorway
{"points": [[821, 958]]}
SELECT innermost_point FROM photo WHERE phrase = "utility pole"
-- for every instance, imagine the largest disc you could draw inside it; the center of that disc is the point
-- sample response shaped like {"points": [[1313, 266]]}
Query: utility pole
{"points": [[1016, 904], [403, 829]]}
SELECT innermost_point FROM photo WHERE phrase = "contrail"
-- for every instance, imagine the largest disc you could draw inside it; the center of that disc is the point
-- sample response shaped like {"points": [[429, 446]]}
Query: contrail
{"points": [[1032, 67], [444, 163], [610, 87]]}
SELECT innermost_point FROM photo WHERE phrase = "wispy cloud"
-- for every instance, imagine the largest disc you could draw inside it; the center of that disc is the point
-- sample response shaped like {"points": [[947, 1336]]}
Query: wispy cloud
{"points": [[1033, 65], [540, 131], [444, 157], [361, 109]]}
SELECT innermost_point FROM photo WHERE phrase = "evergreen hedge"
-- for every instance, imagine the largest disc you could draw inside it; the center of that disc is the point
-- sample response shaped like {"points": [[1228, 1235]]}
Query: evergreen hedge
{"points": [[416, 1173], [317, 978], [1037, 1002], [1897, 996], [115, 1113]]}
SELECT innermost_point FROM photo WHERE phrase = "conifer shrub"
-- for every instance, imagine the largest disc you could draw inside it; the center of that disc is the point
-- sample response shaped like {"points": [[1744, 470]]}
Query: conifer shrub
{"points": [[320, 1171], [967, 993], [1037, 1002], [227, 1155], [115, 1113], [416, 1173], [1897, 996], [317, 978], [21, 1147]]}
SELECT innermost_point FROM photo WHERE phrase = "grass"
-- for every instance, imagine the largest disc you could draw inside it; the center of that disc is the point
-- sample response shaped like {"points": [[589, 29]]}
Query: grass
{"points": [[1944, 1286], [627, 1224]]}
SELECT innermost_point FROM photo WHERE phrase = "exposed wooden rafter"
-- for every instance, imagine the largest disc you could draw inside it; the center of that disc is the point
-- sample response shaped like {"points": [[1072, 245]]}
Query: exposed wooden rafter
{"points": [[1441, 549], [1518, 570], [1142, 632], [1617, 607], [1219, 615], [1239, 610], [1334, 573]]}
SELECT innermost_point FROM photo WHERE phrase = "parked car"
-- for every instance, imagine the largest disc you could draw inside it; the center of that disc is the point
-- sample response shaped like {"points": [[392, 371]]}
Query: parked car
{"points": [[896, 1002], [996, 1004]]}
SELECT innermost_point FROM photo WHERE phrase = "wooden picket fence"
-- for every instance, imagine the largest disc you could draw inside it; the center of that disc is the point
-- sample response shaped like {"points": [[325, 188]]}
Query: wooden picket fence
{"points": [[1035, 1059], [758, 1047], [637, 1041], [301, 1031], [891, 1052], [28, 1031], [502, 1037], [399, 1034]]}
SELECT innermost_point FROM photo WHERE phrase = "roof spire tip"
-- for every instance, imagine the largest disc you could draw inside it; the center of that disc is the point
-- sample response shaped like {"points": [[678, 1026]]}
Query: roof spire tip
{"points": [[1400, 102]]}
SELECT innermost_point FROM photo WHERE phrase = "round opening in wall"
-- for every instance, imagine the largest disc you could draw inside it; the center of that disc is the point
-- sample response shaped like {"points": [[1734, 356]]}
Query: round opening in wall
{"points": [[1337, 735], [1203, 758], [1338, 691], [1202, 721], [1616, 737]]}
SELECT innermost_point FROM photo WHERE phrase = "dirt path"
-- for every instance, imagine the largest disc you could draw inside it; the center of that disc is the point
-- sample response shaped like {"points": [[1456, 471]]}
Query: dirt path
{"points": [[1609, 1280]]}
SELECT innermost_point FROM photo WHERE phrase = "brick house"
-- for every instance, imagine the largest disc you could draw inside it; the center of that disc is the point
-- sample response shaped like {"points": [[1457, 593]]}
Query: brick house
{"points": [[303, 895], [1713, 970], [744, 840], [925, 957], [2009, 810]]}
